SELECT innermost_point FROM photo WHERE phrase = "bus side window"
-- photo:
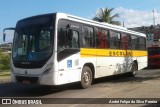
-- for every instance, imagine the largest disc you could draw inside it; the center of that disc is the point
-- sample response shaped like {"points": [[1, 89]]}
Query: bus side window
{"points": [[112, 37], [129, 41], [74, 39], [118, 41], [102, 38], [87, 37], [134, 41], [115, 38], [124, 41], [142, 43]]}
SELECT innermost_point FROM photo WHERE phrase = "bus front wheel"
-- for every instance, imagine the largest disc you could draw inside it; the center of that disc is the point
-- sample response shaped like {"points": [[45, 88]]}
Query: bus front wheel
{"points": [[86, 77]]}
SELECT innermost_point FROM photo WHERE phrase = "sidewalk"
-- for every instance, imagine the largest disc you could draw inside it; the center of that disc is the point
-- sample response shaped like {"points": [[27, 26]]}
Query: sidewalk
{"points": [[5, 79]]}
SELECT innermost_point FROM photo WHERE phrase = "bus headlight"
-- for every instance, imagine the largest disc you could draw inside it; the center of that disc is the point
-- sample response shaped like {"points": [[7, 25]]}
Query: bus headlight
{"points": [[48, 69]]}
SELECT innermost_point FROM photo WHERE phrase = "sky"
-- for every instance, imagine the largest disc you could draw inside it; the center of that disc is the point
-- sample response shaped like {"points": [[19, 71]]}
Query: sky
{"points": [[134, 13]]}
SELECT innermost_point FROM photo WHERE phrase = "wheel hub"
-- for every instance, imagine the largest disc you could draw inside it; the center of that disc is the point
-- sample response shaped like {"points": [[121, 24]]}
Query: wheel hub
{"points": [[86, 78]]}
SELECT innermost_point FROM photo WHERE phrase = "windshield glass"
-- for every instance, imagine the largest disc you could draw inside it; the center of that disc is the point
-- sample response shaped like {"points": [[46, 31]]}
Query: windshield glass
{"points": [[33, 39], [154, 51]]}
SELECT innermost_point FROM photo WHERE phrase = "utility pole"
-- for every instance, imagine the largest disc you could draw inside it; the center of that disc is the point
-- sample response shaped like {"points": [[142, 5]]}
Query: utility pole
{"points": [[123, 24], [153, 18]]}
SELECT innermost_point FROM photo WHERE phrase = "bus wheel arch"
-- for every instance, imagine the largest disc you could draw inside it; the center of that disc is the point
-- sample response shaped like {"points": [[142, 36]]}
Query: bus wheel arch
{"points": [[87, 75], [134, 68]]}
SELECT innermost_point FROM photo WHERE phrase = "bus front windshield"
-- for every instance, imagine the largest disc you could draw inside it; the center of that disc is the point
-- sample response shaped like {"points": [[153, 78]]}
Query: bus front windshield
{"points": [[33, 39]]}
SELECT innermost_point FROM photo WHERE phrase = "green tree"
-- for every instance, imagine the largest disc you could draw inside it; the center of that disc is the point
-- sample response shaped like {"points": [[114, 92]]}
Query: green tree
{"points": [[104, 15]]}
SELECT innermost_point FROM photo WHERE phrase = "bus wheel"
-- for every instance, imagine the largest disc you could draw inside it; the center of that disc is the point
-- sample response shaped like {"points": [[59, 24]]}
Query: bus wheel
{"points": [[134, 69], [86, 77]]}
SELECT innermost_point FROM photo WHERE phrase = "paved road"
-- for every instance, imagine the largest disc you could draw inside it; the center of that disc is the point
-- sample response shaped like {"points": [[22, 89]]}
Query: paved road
{"points": [[144, 85]]}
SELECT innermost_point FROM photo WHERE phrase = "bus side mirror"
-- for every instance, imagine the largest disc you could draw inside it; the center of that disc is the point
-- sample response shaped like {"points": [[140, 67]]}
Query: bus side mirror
{"points": [[4, 34]]}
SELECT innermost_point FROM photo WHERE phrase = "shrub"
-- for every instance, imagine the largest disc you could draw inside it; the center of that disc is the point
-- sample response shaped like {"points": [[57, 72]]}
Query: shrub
{"points": [[4, 61]]}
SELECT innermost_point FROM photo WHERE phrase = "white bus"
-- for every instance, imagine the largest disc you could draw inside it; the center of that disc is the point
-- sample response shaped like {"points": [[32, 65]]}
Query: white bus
{"points": [[58, 48]]}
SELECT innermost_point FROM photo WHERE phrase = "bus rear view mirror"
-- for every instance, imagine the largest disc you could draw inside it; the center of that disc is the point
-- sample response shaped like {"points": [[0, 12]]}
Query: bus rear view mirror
{"points": [[4, 34]]}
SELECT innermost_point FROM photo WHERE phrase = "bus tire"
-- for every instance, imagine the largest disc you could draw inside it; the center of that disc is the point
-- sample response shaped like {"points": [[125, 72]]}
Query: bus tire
{"points": [[86, 77], [134, 70]]}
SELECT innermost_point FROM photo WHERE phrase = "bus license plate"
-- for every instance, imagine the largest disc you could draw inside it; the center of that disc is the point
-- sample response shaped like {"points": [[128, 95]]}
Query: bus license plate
{"points": [[26, 82]]}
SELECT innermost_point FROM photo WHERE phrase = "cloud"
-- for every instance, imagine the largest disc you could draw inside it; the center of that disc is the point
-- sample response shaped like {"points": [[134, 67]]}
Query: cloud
{"points": [[136, 18]]}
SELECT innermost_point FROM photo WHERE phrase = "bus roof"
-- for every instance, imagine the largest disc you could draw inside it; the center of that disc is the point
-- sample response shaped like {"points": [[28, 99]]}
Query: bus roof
{"points": [[98, 24], [90, 22], [103, 24]]}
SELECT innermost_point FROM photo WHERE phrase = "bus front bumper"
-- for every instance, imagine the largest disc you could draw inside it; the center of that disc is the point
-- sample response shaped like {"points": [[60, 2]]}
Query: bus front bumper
{"points": [[44, 79]]}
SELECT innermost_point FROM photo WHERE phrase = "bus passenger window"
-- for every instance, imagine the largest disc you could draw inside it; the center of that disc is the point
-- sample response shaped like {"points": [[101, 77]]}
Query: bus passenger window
{"points": [[74, 40], [124, 41], [115, 38], [142, 43], [102, 38], [134, 41], [87, 37], [129, 41]]}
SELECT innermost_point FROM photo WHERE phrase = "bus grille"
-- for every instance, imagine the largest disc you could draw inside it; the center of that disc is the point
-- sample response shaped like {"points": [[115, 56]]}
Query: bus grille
{"points": [[23, 79]]}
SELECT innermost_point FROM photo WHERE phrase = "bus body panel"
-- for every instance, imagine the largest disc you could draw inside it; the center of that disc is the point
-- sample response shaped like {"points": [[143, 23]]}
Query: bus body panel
{"points": [[142, 62], [69, 69], [111, 62]]}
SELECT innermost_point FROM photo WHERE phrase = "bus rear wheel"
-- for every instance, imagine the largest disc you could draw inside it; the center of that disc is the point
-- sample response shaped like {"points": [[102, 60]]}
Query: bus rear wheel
{"points": [[134, 69], [86, 77]]}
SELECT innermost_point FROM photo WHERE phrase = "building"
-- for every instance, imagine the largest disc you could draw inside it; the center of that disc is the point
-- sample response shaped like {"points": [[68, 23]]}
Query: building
{"points": [[152, 33]]}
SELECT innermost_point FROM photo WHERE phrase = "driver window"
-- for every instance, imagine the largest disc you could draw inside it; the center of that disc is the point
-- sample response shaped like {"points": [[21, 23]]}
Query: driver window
{"points": [[61, 39]]}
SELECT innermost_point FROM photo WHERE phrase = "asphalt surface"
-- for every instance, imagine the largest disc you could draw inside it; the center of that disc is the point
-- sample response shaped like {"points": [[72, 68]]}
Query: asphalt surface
{"points": [[144, 85]]}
